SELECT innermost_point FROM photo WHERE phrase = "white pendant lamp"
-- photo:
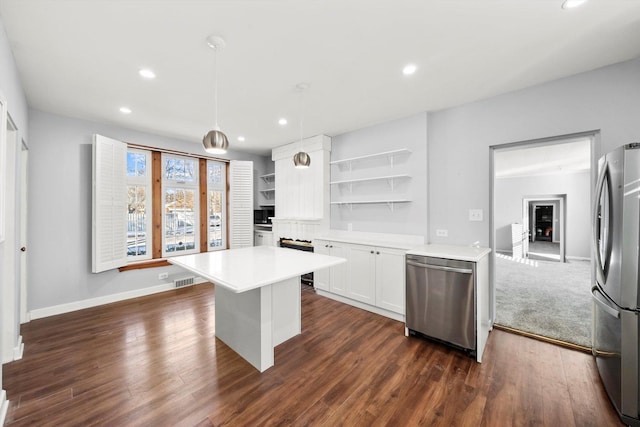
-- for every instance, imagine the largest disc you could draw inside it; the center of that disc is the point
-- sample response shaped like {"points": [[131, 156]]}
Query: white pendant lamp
{"points": [[215, 141], [301, 160]]}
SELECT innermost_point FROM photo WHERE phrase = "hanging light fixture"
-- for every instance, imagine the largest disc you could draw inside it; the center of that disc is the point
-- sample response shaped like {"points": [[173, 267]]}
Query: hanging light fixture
{"points": [[215, 141], [301, 159]]}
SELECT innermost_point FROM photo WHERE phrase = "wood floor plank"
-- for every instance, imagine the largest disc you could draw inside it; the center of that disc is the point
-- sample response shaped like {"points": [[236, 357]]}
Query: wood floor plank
{"points": [[155, 361]]}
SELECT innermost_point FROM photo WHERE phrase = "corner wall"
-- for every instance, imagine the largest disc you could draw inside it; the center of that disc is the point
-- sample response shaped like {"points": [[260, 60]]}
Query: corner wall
{"points": [[60, 214], [606, 99]]}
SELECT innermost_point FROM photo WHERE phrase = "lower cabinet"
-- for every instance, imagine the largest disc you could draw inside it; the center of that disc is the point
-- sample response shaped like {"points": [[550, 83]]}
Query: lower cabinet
{"points": [[372, 275], [263, 238]]}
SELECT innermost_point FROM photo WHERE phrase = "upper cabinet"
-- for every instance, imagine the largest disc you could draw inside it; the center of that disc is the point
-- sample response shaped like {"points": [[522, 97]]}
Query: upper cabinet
{"points": [[303, 193]]}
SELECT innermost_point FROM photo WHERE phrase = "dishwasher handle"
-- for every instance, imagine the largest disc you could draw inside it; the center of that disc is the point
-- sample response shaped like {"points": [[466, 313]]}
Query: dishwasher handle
{"points": [[441, 267]]}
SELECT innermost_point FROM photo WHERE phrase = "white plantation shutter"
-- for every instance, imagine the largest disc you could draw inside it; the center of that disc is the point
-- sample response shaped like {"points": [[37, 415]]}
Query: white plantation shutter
{"points": [[109, 204], [240, 204]]}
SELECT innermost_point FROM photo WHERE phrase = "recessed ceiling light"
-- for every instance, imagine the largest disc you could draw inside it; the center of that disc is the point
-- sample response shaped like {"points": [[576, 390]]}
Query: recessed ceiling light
{"points": [[569, 4], [147, 73], [409, 69], [241, 138], [125, 110], [282, 121]]}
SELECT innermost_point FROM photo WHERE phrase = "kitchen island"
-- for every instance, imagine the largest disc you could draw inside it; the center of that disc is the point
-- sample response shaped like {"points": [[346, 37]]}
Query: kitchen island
{"points": [[257, 295]]}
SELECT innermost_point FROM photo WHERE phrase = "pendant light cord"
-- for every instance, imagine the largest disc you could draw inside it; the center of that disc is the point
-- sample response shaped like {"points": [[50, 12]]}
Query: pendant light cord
{"points": [[215, 88]]}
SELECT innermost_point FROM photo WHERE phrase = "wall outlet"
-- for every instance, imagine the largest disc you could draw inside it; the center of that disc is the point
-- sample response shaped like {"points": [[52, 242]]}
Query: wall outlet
{"points": [[475, 215], [442, 233], [163, 276]]}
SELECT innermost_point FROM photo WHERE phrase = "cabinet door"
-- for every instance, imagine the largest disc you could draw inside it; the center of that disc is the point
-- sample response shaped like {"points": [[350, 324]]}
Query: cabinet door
{"points": [[340, 272], [258, 239], [322, 278], [362, 274], [390, 279]]}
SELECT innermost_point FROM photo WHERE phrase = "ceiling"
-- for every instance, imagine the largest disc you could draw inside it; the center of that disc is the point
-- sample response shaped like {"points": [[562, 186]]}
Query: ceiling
{"points": [[81, 59]]}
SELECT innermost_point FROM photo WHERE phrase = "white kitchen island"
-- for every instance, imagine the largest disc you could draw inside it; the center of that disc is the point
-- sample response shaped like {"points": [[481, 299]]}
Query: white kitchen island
{"points": [[257, 295]]}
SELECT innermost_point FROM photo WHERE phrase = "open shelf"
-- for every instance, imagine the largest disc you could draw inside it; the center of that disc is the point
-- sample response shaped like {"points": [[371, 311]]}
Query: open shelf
{"points": [[389, 154], [390, 203], [375, 178]]}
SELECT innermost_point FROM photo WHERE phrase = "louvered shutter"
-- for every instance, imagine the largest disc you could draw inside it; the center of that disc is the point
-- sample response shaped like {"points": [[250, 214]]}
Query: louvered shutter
{"points": [[240, 204], [109, 200]]}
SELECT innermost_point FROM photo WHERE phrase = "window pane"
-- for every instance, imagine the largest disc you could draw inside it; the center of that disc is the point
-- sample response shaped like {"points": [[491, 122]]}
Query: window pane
{"points": [[215, 218], [136, 221], [214, 173], [179, 169], [180, 219], [136, 164]]}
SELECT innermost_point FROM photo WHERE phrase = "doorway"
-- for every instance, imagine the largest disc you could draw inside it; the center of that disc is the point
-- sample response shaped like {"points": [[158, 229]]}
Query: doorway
{"points": [[541, 191], [544, 219]]}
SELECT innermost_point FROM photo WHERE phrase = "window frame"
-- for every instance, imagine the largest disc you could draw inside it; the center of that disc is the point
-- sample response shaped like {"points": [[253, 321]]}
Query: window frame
{"points": [[194, 186], [222, 188]]}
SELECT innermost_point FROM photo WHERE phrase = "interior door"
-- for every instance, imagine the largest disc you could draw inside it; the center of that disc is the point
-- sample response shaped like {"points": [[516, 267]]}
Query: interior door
{"points": [[24, 161]]}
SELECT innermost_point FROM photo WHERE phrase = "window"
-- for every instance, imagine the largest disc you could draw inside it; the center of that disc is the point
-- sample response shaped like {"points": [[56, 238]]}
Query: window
{"points": [[139, 217], [180, 207], [216, 205], [148, 204]]}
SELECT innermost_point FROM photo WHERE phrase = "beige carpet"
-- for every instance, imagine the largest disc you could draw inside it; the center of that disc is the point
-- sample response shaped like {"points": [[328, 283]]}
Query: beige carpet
{"points": [[547, 298]]}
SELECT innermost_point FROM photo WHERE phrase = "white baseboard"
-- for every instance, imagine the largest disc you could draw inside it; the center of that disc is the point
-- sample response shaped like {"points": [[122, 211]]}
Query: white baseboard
{"points": [[107, 299], [377, 310], [4, 407], [18, 350], [578, 258]]}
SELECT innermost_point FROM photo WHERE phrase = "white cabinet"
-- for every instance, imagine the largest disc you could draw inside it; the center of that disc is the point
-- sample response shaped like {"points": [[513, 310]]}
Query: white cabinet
{"points": [[390, 279], [373, 278], [262, 237], [332, 279]]}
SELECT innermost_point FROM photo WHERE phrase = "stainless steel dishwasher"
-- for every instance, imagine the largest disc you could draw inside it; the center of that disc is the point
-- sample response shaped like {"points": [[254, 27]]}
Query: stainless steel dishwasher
{"points": [[440, 300]]}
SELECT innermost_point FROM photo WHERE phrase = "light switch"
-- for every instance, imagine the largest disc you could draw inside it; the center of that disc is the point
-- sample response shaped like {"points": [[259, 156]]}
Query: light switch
{"points": [[475, 214]]}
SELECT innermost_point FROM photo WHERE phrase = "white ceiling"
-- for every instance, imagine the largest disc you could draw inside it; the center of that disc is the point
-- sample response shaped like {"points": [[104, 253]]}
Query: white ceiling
{"points": [[81, 58]]}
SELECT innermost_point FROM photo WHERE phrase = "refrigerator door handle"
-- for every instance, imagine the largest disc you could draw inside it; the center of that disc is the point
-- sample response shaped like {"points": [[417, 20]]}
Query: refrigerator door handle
{"points": [[601, 300], [600, 260]]}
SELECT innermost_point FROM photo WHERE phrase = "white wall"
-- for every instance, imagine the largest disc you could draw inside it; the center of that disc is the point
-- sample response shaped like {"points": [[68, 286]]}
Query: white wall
{"points": [[509, 193], [607, 99], [11, 91], [406, 218], [60, 211]]}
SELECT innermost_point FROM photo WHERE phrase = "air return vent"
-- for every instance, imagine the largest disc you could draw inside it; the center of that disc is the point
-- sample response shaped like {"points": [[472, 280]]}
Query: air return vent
{"points": [[187, 281]]}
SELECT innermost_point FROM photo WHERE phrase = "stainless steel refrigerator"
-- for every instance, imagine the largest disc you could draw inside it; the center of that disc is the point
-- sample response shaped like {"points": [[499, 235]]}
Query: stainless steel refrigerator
{"points": [[615, 293]]}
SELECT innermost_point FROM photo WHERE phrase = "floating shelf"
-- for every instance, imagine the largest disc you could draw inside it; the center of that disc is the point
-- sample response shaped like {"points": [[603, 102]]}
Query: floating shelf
{"points": [[388, 154], [389, 178], [389, 203], [267, 205], [268, 176]]}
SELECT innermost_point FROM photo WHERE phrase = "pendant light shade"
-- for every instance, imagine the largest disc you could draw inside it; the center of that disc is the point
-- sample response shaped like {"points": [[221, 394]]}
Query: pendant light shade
{"points": [[301, 160], [215, 141]]}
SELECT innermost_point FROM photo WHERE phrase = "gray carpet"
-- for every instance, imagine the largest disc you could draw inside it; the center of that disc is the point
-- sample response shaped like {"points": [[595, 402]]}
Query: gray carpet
{"points": [[547, 298]]}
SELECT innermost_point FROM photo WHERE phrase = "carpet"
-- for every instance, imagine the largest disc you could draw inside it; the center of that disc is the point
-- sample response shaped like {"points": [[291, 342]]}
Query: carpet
{"points": [[547, 298]]}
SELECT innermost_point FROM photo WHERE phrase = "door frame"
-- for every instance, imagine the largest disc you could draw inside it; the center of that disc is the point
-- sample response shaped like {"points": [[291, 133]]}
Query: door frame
{"points": [[532, 201], [594, 136]]}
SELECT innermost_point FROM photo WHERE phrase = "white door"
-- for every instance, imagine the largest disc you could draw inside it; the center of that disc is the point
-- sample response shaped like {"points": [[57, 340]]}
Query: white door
{"points": [[362, 277], [24, 161], [390, 279]]}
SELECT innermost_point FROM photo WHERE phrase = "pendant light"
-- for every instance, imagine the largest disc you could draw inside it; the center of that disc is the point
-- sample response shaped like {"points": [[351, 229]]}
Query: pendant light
{"points": [[215, 141], [301, 159]]}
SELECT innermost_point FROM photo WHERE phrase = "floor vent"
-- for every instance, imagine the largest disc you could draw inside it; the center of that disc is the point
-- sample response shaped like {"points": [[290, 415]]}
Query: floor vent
{"points": [[187, 281]]}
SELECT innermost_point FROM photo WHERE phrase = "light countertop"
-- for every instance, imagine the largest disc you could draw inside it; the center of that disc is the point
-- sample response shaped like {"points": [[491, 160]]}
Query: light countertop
{"points": [[463, 253], [394, 241], [241, 270]]}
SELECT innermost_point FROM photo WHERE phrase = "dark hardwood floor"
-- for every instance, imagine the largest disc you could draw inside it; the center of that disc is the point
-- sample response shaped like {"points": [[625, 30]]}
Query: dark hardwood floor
{"points": [[155, 361]]}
